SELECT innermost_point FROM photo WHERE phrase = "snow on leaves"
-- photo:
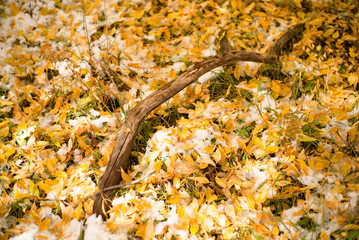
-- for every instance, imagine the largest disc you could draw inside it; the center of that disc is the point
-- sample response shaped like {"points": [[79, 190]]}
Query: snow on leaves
{"points": [[272, 154]]}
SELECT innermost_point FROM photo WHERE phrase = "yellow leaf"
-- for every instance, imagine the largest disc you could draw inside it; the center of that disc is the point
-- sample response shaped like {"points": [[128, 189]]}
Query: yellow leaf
{"points": [[272, 149], [51, 162], [78, 213], [19, 195], [4, 131], [203, 163], [353, 187], [188, 146], [202, 180], [260, 36], [262, 196], [193, 226], [5, 178], [80, 141], [228, 233], [304, 138], [53, 138], [185, 133], [4, 102], [336, 34], [275, 231], [173, 74], [249, 8], [329, 32], [316, 22], [298, 3], [33, 189], [234, 5], [44, 224], [250, 202], [346, 168], [141, 231], [176, 100], [84, 71], [323, 235], [182, 110], [125, 176], [217, 155], [174, 200], [349, 38], [341, 116], [14, 9], [44, 187], [318, 163], [139, 14], [158, 166], [256, 142], [241, 43], [352, 79], [41, 237], [338, 189], [180, 211], [220, 182], [302, 165], [211, 198], [67, 213]]}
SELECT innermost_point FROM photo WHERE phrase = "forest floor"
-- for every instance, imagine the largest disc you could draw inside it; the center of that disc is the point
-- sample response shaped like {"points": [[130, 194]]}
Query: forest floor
{"points": [[250, 151]]}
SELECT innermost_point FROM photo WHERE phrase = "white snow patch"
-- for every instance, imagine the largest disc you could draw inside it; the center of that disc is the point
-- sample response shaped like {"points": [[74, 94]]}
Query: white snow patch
{"points": [[210, 75], [96, 229]]}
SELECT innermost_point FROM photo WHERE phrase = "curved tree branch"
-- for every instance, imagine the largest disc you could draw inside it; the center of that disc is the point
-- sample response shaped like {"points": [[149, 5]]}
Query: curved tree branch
{"points": [[127, 134]]}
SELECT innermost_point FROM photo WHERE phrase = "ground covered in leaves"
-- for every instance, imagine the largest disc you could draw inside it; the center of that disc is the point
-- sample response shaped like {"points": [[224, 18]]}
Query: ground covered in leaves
{"points": [[251, 151]]}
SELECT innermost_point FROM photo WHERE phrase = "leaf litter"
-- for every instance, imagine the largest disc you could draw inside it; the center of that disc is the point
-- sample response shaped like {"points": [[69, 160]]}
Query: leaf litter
{"points": [[274, 157]]}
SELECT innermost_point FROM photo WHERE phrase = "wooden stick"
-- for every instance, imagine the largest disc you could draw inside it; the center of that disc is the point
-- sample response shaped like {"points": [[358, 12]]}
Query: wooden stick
{"points": [[128, 132]]}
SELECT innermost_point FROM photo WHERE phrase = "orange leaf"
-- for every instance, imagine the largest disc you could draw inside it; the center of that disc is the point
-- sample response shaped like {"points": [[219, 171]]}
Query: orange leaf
{"points": [[125, 176], [173, 74], [149, 230], [44, 224], [41, 236], [44, 187], [78, 212], [174, 200], [298, 3], [323, 235], [14, 9]]}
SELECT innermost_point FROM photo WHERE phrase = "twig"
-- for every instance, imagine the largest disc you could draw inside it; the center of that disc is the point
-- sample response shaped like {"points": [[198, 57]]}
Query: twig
{"points": [[347, 143], [116, 187]]}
